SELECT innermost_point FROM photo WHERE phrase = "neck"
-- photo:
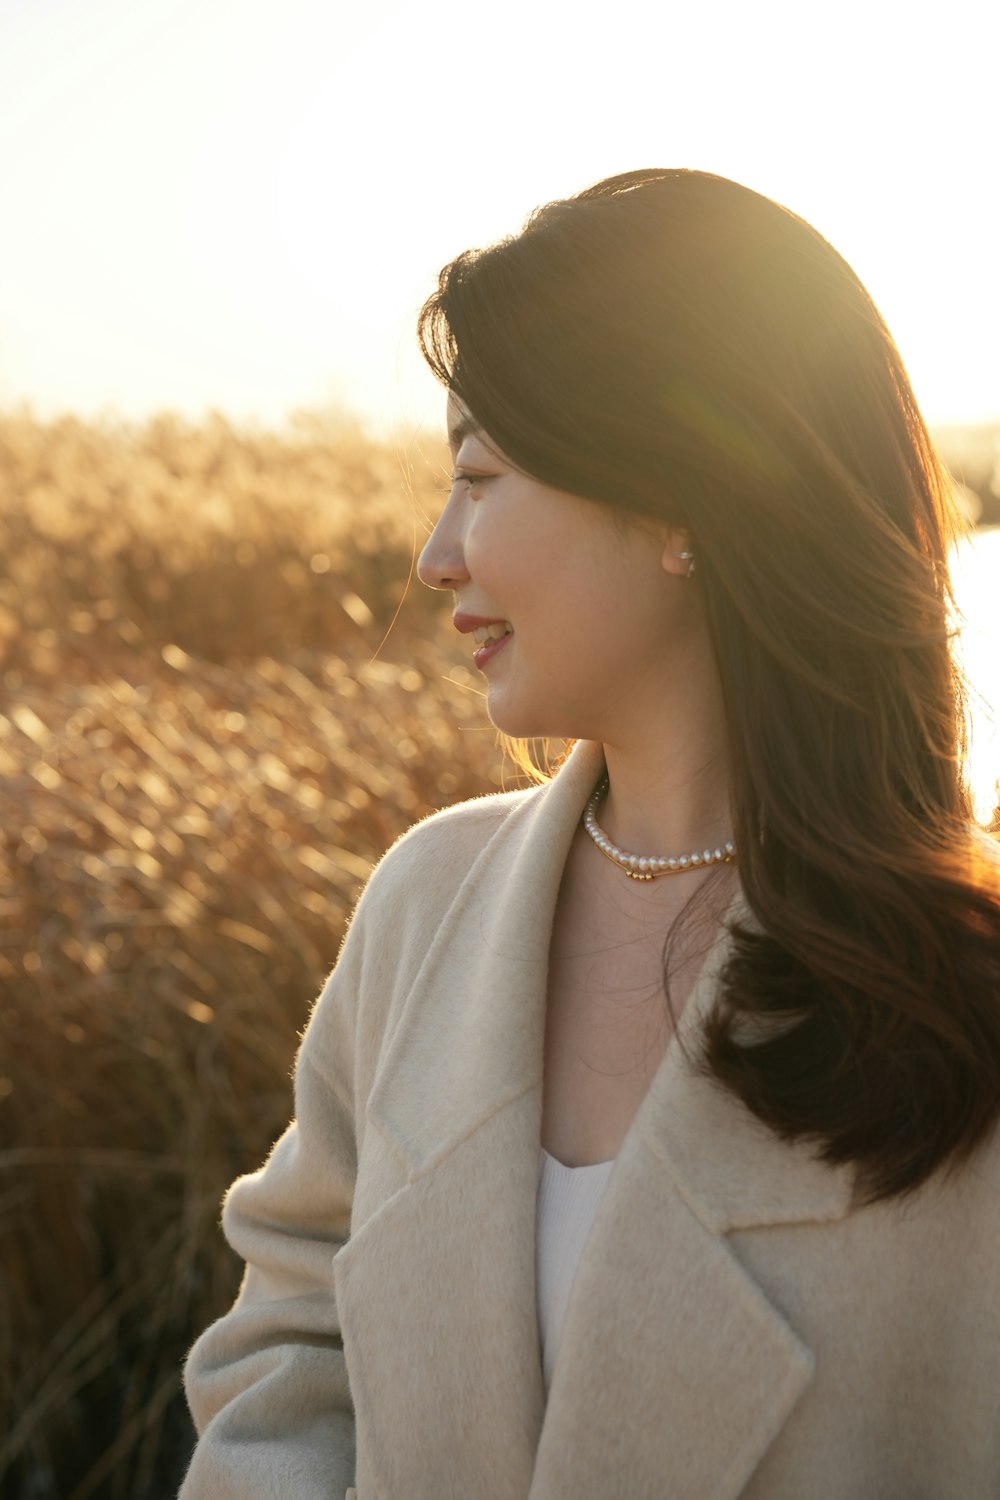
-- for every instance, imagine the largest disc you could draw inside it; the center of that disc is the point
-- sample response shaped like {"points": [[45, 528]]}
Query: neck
{"points": [[667, 807], [668, 771]]}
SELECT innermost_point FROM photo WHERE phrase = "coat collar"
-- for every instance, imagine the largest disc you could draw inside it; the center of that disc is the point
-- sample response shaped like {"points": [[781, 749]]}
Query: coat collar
{"points": [[664, 1319], [480, 997]]}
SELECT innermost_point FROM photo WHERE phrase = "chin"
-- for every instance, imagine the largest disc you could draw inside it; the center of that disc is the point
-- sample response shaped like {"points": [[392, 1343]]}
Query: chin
{"points": [[520, 723], [516, 723]]}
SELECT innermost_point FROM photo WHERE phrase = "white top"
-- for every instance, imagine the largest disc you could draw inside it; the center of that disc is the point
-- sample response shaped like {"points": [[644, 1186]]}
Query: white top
{"points": [[567, 1202]]}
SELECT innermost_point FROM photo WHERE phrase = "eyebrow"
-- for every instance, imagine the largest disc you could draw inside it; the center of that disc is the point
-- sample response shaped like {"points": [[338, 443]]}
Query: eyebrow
{"points": [[464, 427]]}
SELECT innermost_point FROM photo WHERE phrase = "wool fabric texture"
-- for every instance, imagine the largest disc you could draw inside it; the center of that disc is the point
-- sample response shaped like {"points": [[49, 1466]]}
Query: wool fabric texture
{"points": [[740, 1328]]}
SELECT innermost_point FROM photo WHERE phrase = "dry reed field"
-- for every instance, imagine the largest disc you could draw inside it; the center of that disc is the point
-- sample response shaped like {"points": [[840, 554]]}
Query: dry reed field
{"points": [[201, 755], [222, 696]]}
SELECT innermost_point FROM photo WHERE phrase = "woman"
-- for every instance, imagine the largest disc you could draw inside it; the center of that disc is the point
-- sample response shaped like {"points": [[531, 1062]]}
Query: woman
{"points": [[646, 1138]]}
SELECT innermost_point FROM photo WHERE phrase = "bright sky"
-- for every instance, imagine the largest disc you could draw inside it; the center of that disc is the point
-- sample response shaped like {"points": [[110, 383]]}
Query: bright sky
{"points": [[242, 203]]}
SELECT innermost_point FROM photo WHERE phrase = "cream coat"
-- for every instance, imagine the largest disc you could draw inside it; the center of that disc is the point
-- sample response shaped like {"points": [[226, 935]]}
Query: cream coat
{"points": [[736, 1328]]}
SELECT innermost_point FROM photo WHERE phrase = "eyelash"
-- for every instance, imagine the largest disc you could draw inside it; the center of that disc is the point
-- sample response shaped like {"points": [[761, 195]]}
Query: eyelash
{"points": [[458, 476]]}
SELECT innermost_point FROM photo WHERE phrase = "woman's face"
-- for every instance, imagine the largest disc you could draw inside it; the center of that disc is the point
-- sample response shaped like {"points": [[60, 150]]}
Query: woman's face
{"points": [[602, 619]]}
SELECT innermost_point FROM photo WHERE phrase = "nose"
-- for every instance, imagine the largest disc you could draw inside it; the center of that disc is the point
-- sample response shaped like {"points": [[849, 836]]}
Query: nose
{"points": [[441, 564]]}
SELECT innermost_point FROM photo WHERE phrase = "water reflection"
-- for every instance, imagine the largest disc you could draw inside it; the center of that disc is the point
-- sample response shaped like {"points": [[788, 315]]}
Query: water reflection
{"points": [[976, 571]]}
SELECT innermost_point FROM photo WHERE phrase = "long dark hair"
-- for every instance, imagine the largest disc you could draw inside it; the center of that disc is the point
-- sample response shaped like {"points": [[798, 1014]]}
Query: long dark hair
{"points": [[673, 343]]}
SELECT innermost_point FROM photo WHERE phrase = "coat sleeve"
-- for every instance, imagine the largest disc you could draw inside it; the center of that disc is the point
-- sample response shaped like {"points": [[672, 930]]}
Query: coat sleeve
{"points": [[267, 1383]]}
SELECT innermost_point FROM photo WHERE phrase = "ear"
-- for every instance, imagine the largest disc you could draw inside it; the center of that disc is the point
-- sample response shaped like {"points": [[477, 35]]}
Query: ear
{"points": [[675, 541]]}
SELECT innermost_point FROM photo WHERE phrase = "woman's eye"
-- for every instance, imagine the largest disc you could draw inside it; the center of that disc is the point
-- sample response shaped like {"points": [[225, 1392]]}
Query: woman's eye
{"points": [[461, 476]]}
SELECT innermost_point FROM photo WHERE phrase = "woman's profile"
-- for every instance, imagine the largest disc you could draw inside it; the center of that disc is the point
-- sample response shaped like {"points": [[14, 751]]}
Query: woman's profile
{"points": [[646, 1130]]}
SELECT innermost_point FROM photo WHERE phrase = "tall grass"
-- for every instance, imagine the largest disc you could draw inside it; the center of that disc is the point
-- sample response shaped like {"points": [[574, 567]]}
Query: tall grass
{"points": [[202, 751]]}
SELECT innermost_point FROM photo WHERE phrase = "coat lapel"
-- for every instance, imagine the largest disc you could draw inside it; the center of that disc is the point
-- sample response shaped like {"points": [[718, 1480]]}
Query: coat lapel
{"points": [[436, 1291], [675, 1372], [470, 1040]]}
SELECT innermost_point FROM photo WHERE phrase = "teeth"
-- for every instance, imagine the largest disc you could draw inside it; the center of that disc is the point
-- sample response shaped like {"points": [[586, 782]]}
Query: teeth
{"points": [[491, 632]]}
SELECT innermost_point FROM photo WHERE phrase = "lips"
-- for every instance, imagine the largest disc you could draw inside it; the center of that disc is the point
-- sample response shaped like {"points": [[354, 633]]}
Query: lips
{"points": [[468, 623], [490, 633], [491, 648]]}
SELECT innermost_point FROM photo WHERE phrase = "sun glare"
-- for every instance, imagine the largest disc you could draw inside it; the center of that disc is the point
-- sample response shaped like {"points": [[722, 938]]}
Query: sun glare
{"points": [[976, 568], [266, 246]]}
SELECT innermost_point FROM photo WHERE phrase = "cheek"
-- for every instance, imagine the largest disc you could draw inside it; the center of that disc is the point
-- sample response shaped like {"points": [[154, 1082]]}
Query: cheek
{"points": [[504, 560]]}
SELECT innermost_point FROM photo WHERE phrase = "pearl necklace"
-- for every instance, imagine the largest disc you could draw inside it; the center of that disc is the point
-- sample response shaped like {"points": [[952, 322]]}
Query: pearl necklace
{"points": [[648, 867]]}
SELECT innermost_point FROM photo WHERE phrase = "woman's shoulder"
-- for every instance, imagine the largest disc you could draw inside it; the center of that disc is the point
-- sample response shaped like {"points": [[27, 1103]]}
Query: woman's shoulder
{"points": [[404, 899], [422, 872], [440, 848]]}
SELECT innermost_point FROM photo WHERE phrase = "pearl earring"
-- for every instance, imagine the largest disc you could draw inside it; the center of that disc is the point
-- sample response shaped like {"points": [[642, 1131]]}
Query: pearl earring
{"points": [[687, 557]]}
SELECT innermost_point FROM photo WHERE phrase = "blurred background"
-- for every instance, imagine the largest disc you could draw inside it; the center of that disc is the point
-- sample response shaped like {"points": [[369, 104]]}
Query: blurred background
{"points": [[222, 692]]}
